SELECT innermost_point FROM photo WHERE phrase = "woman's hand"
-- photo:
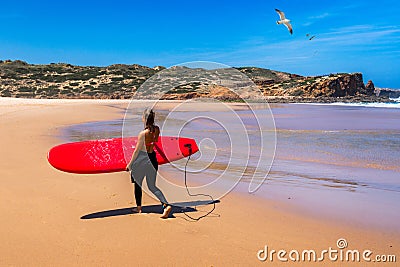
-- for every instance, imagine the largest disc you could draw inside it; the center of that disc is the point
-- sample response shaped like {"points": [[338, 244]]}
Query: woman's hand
{"points": [[140, 143]]}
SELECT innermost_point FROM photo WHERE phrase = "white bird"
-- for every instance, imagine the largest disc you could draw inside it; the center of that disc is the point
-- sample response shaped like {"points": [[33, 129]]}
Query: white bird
{"points": [[284, 21]]}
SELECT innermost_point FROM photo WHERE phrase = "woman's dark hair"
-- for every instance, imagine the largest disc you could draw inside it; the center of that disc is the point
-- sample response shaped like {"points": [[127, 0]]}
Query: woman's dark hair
{"points": [[149, 115]]}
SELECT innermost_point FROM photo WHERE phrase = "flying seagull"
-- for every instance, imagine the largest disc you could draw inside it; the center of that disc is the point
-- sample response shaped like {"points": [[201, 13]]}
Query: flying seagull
{"points": [[284, 20], [310, 38]]}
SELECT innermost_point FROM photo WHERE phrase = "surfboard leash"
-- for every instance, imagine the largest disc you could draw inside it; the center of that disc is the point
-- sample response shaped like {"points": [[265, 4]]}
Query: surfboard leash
{"points": [[193, 195]]}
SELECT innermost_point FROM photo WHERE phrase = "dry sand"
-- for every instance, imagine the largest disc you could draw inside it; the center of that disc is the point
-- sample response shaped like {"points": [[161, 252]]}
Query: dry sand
{"points": [[41, 209]]}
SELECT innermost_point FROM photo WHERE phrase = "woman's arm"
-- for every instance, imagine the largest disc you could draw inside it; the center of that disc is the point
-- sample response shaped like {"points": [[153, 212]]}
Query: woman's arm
{"points": [[139, 145], [157, 133]]}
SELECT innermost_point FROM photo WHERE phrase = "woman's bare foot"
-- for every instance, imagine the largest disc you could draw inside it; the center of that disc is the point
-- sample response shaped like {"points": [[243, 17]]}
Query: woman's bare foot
{"points": [[137, 209], [167, 212]]}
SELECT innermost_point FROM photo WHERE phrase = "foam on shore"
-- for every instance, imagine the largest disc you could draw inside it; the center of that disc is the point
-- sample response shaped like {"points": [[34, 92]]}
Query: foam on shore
{"points": [[5, 101], [369, 105]]}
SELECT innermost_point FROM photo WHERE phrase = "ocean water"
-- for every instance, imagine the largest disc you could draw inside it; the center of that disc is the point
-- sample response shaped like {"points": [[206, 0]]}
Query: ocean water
{"points": [[333, 161], [342, 161]]}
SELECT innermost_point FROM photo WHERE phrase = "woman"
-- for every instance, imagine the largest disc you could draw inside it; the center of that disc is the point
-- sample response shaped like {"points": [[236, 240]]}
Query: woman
{"points": [[144, 163]]}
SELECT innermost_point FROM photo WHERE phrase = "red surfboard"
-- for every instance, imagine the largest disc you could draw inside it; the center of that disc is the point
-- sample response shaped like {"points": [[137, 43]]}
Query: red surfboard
{"points": [[107, 155]]}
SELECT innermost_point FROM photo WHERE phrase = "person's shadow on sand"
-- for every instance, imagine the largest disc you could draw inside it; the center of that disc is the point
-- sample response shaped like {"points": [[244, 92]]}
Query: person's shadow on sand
{"points": [[180, 207]]}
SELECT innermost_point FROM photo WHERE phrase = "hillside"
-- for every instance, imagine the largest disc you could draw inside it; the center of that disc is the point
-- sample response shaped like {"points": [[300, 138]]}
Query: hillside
{"points": [[119, 81]]}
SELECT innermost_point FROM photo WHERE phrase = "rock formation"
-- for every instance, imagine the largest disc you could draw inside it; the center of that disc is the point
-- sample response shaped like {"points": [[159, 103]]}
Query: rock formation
{"points": [[370, 88], [120, 81]]}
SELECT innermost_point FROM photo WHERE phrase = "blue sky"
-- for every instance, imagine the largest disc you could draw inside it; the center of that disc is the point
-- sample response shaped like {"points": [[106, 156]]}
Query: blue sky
{"points": [[351, 36]]}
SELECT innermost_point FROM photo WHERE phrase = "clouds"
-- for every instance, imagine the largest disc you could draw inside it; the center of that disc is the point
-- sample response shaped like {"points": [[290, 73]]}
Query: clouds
{"points": [[332, 12], [316, 18], [362, 35], [321, 16], [349, 48], [349, 34]]}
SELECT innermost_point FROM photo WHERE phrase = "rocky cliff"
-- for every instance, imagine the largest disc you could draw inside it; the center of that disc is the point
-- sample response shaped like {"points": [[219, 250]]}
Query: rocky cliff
{"points": [[20, 79], [334, 85], [385, 92]]}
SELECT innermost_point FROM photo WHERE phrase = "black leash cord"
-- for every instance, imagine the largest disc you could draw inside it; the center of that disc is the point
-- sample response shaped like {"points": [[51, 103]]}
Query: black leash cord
{"points": [[193, 195]]}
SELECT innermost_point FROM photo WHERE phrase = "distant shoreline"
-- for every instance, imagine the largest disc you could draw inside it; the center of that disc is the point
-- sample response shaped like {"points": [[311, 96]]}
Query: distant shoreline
{"points": [[119, 81], [269, 100]]}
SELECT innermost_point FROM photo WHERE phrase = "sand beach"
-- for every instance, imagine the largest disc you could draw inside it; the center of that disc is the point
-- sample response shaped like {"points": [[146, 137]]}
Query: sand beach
{"points": [[42, 208]]}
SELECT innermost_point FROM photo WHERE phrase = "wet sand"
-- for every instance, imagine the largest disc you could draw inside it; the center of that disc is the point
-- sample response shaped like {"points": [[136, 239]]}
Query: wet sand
{"points": [[41, 209]]}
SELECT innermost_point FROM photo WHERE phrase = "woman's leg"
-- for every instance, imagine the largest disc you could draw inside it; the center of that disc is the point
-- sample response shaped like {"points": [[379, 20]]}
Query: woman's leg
{"points": [[137, 179], [153, 160], [167, 208], [151, 183], [151, 175], [138, 195]]}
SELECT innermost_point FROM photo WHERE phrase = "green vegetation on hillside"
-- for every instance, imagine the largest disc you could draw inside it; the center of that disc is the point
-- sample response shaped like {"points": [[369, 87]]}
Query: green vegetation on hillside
{"points": [[120, 81]]}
